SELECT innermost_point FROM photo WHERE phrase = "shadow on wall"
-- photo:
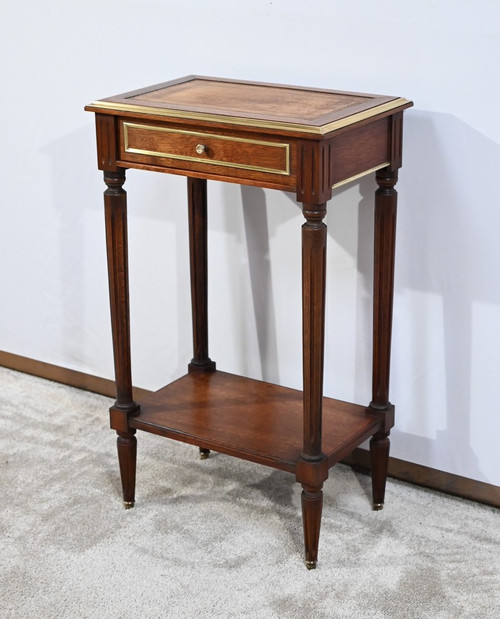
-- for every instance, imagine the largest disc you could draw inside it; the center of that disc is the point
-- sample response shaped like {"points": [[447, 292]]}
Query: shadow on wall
{"points": [[258, 245], [448, 249], [447, 309], [444, 370], [79, 287], [69, 292]]}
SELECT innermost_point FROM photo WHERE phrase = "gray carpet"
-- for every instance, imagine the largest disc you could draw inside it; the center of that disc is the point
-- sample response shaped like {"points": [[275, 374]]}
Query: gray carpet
{"points": [[214, 538]]}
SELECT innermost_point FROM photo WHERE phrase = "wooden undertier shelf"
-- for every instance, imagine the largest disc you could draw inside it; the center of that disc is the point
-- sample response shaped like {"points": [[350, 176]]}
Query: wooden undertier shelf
{"points": [[251, 419]]}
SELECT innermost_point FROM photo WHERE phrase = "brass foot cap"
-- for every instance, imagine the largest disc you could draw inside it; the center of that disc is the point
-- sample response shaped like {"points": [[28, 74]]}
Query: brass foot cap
{"points": [[378, 506], [128, 504], [204, 454], [311, 565]]}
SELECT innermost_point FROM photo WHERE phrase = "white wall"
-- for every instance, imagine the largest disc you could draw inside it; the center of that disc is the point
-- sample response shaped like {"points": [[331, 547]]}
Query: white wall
{"points": [[57, 56]]}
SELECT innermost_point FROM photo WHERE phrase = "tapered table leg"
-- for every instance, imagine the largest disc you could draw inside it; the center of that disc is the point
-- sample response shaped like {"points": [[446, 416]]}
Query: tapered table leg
{"points": [[379, 453], [313, 317], [115, 204], [127, 458], [312, 507], [384, 255]]}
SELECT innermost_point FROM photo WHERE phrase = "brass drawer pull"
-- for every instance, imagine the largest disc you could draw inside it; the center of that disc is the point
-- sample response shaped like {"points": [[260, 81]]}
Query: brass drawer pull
{"points": [[200, 149]]}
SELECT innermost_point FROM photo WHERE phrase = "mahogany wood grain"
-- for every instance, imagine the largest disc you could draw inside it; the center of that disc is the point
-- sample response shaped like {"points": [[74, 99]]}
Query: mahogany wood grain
{"points": [[280, 137], [379, 453], [313, 325], [313, 338], [251, 100], [312, 508], [383, 292], [115, 204], [150, 142], [126, 444], [107, 142], [252, 419], [359, 459], [314, 171], [161, 119], [360, 148], [383, 287], [255, 179], [197, 218]]}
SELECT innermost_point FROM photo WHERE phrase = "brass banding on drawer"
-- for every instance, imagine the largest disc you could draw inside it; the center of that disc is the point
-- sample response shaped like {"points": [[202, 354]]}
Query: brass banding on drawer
{"points": [[207, 148]]}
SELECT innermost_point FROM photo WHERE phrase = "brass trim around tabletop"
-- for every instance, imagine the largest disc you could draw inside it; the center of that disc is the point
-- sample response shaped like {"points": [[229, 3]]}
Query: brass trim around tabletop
{"points": [[201, 148], [250, 122]]}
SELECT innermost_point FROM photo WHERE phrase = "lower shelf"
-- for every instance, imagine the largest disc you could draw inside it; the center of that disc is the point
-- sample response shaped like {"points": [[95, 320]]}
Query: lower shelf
{"points": [[250, 419]]}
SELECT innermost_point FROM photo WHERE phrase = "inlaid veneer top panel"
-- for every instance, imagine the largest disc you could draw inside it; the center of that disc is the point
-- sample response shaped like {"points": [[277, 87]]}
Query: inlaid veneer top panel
{"points": [[252, 104], [247, 100]]}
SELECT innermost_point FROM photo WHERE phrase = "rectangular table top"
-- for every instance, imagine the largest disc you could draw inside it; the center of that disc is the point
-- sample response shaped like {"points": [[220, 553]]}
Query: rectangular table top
{"points": [[268, 106]]}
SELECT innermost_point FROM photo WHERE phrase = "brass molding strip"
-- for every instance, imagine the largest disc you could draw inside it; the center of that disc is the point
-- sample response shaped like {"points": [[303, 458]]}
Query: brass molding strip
{"points": [[355, 118], [360, 175], [250, 122], [225, 164]]}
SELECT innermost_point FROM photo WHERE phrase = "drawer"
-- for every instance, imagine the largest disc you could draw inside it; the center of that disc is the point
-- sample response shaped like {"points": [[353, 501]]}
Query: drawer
{"points": [[195, 150]]}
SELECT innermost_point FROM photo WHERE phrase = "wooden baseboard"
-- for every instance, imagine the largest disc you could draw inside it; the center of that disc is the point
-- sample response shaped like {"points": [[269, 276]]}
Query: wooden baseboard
{"points": [[72, 378], [360, 458], [431, 478]]}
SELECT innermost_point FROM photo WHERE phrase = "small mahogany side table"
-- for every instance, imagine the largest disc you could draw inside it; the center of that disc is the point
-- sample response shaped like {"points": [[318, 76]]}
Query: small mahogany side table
{"points": [[300, 140]]}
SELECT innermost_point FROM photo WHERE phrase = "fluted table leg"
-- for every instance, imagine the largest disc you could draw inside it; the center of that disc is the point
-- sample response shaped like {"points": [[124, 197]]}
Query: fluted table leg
{"points": [[384, 254], [313, 316], [115, 204]]}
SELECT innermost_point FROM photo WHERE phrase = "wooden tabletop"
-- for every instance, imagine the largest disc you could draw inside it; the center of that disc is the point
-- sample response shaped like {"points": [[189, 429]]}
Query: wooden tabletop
{"points": [[268, 106]]}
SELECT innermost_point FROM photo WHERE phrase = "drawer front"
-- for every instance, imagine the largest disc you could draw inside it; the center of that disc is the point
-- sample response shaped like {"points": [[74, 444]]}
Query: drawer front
{"points": [[186, 149]]}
